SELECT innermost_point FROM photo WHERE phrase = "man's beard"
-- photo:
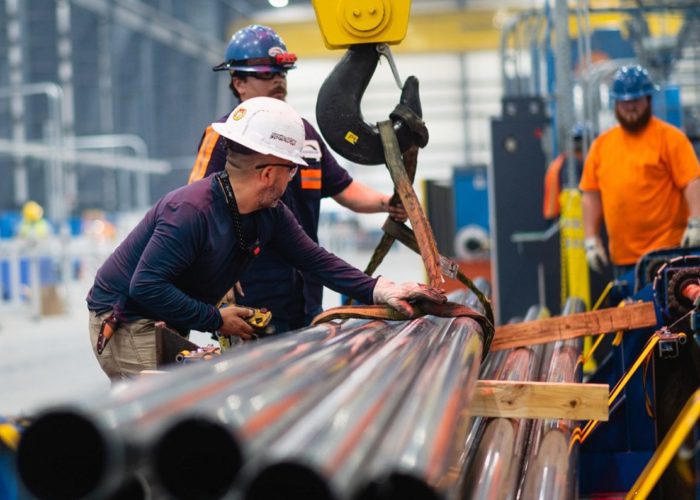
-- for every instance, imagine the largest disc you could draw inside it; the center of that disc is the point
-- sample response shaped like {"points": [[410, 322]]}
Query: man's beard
{"points": [[638, 123]]}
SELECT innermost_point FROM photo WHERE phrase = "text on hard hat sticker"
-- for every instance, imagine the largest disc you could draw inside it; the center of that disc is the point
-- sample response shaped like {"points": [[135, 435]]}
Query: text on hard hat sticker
{"points": [[283, 138]]}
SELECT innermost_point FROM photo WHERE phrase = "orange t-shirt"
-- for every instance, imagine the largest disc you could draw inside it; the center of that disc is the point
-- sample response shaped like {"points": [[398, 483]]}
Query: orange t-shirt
{"points": [[641, 178]]}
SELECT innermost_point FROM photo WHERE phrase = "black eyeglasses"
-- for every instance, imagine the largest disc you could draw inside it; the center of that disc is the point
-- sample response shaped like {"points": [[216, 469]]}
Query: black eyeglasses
{"points": [[261, 75], [292, 168]]}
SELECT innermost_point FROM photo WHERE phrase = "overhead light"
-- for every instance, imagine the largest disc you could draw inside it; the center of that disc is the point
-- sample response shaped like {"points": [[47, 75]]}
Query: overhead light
{"points": [[278, 3]]}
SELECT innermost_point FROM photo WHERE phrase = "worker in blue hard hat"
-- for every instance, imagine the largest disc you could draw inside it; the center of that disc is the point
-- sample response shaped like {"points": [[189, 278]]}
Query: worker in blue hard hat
{"points": [[641, 178], [257, 60], [197, 241]]}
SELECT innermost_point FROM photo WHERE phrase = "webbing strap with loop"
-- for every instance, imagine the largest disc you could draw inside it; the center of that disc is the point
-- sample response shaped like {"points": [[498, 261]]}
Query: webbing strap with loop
{"points": [[404, 188], [420, 308], [407, 237], [410, 160], [421, 239]]}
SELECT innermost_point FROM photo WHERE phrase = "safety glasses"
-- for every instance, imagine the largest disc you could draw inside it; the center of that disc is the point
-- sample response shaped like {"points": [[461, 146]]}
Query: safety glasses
{"points": [[263, 75], [292, 168]]}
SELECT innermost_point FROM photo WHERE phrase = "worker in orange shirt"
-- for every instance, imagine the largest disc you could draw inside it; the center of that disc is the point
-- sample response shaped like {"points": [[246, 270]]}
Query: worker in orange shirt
{"points": [[641, 177]]}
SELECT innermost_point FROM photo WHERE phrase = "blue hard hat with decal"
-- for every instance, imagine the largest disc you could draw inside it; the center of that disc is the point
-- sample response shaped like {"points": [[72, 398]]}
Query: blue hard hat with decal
{"points": [[631, 82], [257, 48]]}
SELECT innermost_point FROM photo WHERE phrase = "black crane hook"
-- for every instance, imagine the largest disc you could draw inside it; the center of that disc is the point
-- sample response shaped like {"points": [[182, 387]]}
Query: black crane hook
{"points": [[340, 118]]}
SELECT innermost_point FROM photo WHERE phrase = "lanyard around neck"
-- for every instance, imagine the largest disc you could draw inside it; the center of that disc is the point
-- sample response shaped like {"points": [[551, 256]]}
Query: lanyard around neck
{"points": [[225, 183]]}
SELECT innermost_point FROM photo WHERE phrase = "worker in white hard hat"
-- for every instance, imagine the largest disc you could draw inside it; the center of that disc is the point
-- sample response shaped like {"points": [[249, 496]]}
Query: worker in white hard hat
{"points": [[257, 62], [197, 241]]}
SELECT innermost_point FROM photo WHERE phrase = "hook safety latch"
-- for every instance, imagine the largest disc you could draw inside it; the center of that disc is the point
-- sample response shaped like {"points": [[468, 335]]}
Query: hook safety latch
{"points": [[339, 114]]}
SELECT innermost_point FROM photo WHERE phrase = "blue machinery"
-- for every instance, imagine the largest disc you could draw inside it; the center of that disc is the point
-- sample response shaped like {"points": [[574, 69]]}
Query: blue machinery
{"points": [[614, 454]]}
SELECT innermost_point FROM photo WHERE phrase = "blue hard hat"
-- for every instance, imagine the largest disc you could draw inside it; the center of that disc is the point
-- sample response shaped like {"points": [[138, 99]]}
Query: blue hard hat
{"points": [[257, 48], [578, 129], [631, 82]]}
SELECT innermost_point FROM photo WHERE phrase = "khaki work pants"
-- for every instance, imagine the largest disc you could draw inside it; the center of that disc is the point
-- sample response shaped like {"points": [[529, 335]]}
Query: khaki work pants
{"points": [[131, 349]]}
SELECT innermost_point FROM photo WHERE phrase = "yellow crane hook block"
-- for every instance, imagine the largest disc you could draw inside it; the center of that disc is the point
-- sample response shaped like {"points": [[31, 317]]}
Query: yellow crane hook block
{"points": [[350, 22]]}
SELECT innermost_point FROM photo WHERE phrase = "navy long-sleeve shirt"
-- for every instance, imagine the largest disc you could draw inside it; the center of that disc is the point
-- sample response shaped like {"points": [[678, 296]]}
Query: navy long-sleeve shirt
{"points": [[183, 256], [271, 281]]}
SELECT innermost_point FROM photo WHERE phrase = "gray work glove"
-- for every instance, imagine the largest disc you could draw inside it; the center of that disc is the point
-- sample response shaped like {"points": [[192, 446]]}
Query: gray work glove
{"points": [[691, 237], [595, 254], [397, 295]]}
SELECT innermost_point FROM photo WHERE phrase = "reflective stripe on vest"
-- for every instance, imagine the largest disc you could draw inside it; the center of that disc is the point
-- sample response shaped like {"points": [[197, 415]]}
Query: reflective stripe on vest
{"points": [[203, 155], [310, 178]]}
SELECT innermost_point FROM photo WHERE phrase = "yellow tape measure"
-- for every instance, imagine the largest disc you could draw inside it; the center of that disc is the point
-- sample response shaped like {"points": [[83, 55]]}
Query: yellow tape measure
{"points": [[258, 320]]}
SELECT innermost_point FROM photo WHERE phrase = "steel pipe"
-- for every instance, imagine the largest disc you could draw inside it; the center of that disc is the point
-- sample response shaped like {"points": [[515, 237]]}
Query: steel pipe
{"points": [[115, 430], [549, 468], [326, 391], [423, 446], [320, 454], [410, 388], [488, 368], [256, 411], [495, 468]]}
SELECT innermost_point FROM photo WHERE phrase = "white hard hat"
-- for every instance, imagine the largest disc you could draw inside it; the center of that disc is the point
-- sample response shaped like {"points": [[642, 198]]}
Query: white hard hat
{"points": [[266, 125]]}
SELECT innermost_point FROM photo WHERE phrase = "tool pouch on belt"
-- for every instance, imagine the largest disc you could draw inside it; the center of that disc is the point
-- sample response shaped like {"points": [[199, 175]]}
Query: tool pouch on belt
{"points": [[107, 329]]}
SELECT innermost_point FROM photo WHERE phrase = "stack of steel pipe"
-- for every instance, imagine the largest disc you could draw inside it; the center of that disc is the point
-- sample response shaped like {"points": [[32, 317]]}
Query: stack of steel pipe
{"points": [[109, 438], [521, 458], [494, 471], [550, 466], [305, 410]]}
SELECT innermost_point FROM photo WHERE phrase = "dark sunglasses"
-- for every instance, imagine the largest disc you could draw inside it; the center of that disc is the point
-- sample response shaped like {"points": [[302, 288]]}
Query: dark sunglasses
{"points": [[292, 168]]}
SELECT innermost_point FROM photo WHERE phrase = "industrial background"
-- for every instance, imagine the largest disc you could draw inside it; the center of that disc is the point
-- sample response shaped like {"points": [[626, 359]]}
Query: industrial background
{"points": [[102, 106]]}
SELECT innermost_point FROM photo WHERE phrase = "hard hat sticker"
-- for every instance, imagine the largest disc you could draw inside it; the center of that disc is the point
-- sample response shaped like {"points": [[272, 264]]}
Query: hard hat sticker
{"points": [[240, 113], [280, 137], [274, 51], [311, 150]]}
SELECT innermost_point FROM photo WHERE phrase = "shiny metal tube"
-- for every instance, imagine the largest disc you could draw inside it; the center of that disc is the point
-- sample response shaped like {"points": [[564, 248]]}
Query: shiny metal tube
{"points": [[420, 451], [549, 468], [116, 431], [415, 376], [106, 439], [318, 456], [255, 411], [488, 368], [495, 468]]}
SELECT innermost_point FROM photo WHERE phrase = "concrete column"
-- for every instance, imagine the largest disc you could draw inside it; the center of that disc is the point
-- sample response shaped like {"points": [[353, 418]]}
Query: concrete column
{"points": [[17, 110], [67, 199]]}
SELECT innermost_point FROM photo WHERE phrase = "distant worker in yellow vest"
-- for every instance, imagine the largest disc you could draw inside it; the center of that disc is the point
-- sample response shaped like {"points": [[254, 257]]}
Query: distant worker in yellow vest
{"points": [[33, 225], [641, 178], [557, 175]]}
